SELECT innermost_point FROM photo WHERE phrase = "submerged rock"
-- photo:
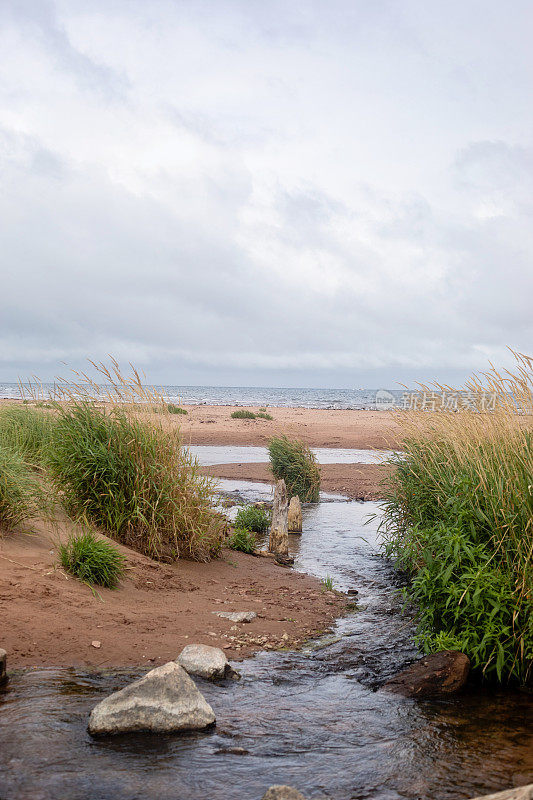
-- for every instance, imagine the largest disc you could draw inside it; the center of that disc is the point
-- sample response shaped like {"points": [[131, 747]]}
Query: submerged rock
{"points": [[518, 793], [206, 662], [166, 700], [436, 675], [282, 793], [3, 662], [236, 616]]}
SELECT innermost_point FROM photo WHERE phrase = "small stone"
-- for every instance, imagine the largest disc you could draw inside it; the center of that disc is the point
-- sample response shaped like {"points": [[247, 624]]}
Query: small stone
{"points": [[236, 616], [96, 643], [282, 793], [206, 662]]}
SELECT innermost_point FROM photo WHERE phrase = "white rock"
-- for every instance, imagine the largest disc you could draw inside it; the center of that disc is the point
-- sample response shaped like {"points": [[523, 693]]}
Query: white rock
{"points": [[236, 616], [204, 661], [166, 700]]}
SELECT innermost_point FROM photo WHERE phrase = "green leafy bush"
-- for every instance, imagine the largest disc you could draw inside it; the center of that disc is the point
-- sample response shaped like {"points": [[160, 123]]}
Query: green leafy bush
{"points": [[173, 409], [465, 600], [26, 431], [20, 494], [243, 413], [252, 519], [135, 481], [293, 461], [92, 560], [243, 540], [264, 415], [459, 519]]}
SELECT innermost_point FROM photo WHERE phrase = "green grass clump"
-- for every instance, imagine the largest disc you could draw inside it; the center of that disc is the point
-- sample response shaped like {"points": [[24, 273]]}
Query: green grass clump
{"points": [[327, 584], [243, 413], [459, 519], [293, 461], [20, 494], [173, 409], [92, 560], [252, 519], [243, 540], [26, 431], [264, 415], [133, 480]]}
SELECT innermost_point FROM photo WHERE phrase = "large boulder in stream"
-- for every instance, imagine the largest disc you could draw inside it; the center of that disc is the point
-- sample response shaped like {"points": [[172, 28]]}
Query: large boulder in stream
{"points": [[166, 700], [206, 662], [280, 792], [436, 675]]}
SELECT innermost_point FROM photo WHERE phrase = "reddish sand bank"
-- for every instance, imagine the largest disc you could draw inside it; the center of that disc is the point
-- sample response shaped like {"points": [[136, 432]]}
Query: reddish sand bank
{"points": [[360, 429], [359, 481], [51, 619]]}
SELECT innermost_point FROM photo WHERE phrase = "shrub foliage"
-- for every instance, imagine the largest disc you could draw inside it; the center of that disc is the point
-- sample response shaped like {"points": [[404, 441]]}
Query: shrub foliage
{"points": [[26, 431], [459, 519], [293, 461], [20, 494], [92, 560], [243, 540], [243, 413], [252, 519], [135, 481]]}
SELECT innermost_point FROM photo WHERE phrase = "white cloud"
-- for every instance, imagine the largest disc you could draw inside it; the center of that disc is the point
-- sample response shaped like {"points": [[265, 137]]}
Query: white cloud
{"points": [[287, 192]]}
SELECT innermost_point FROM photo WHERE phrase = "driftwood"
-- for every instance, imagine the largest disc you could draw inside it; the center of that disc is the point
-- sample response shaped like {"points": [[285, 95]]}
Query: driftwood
{"points": [[295, 515], [279, 539]]}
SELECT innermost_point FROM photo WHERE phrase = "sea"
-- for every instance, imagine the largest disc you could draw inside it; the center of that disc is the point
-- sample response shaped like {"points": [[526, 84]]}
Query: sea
{"points": [[260, 396]]}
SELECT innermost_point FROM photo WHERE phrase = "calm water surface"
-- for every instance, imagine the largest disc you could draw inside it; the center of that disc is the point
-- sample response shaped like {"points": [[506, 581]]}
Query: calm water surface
{"points": [[314, 719], [221, 454]]}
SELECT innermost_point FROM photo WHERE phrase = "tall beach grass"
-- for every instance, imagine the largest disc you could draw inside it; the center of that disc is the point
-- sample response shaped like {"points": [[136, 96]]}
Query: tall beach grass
{"points": [[459, 519], [292, 460], [21, 496], [124, 473]]}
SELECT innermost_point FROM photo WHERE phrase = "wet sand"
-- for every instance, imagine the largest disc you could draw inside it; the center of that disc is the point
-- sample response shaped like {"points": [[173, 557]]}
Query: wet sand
{"points": [[357, 481]]}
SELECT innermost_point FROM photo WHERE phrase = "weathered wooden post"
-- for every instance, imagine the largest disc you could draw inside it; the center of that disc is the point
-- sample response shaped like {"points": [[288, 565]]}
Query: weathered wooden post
{"points": [[278, 542], [295, 515], [3, 672]]}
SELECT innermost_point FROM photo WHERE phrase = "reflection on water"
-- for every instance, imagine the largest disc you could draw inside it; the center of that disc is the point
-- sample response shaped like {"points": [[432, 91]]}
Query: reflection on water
{"points": [[312, 719], [233, 454]]}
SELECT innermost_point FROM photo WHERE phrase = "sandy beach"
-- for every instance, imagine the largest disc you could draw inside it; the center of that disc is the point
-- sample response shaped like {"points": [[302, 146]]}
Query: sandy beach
{"points": [[371, 430], [159, 608]]}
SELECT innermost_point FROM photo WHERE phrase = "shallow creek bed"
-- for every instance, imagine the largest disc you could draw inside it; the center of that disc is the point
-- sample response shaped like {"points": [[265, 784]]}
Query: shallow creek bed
{"points": [[313, 719]]}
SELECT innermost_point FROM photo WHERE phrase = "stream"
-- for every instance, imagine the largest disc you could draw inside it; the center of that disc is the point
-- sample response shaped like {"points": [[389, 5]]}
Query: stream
{"points": [[314, 719]]}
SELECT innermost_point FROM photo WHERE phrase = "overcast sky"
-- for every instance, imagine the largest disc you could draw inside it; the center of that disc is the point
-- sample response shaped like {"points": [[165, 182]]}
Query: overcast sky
{"points": [[264, 192]]}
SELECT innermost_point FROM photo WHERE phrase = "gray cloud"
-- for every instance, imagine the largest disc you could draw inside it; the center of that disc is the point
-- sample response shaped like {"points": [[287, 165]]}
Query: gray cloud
{"points": [[251, 192]]}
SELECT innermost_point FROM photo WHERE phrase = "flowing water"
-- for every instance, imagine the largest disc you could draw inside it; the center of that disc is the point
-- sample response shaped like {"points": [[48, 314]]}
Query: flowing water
{"points": [[313, 719]]}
